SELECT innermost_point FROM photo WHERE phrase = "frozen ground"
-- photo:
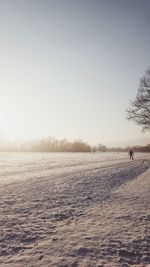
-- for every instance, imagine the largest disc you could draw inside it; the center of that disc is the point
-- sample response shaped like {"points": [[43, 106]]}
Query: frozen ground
{"points": [[74, 210]]}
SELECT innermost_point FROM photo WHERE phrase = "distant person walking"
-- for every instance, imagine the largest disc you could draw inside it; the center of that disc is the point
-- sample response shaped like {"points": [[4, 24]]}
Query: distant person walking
{"points": [[131, 153]]}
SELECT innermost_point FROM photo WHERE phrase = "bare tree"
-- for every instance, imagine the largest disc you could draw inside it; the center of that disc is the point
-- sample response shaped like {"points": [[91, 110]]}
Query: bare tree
{"points": [[139, 110]]}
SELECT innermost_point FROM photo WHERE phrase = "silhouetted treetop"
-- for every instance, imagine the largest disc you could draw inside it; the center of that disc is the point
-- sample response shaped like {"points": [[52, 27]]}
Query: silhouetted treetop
{"points": [[139, 110]]}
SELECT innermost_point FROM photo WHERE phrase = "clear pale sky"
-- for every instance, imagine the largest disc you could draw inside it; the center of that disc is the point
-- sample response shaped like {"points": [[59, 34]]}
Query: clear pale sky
{"points": [[69, 67]]}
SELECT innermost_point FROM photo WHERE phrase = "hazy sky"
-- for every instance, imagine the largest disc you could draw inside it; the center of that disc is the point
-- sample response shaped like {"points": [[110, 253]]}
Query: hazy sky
{"points": [[69, 67]]}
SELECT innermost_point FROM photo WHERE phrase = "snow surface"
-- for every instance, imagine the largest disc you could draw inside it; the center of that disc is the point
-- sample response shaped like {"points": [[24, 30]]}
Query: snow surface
{"points": [[61, 209]]}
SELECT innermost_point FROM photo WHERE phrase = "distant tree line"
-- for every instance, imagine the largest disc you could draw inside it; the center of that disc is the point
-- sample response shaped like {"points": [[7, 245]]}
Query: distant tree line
{"points": [[128, 148], [54, 145], [51, 144]]}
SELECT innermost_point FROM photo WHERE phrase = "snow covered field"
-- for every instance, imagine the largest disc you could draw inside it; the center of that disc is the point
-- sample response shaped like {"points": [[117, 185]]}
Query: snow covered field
{"points": [[74, 209]]}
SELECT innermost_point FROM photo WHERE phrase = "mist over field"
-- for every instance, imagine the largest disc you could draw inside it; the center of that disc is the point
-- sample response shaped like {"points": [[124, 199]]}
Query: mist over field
{"points": [[52, 144]]}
